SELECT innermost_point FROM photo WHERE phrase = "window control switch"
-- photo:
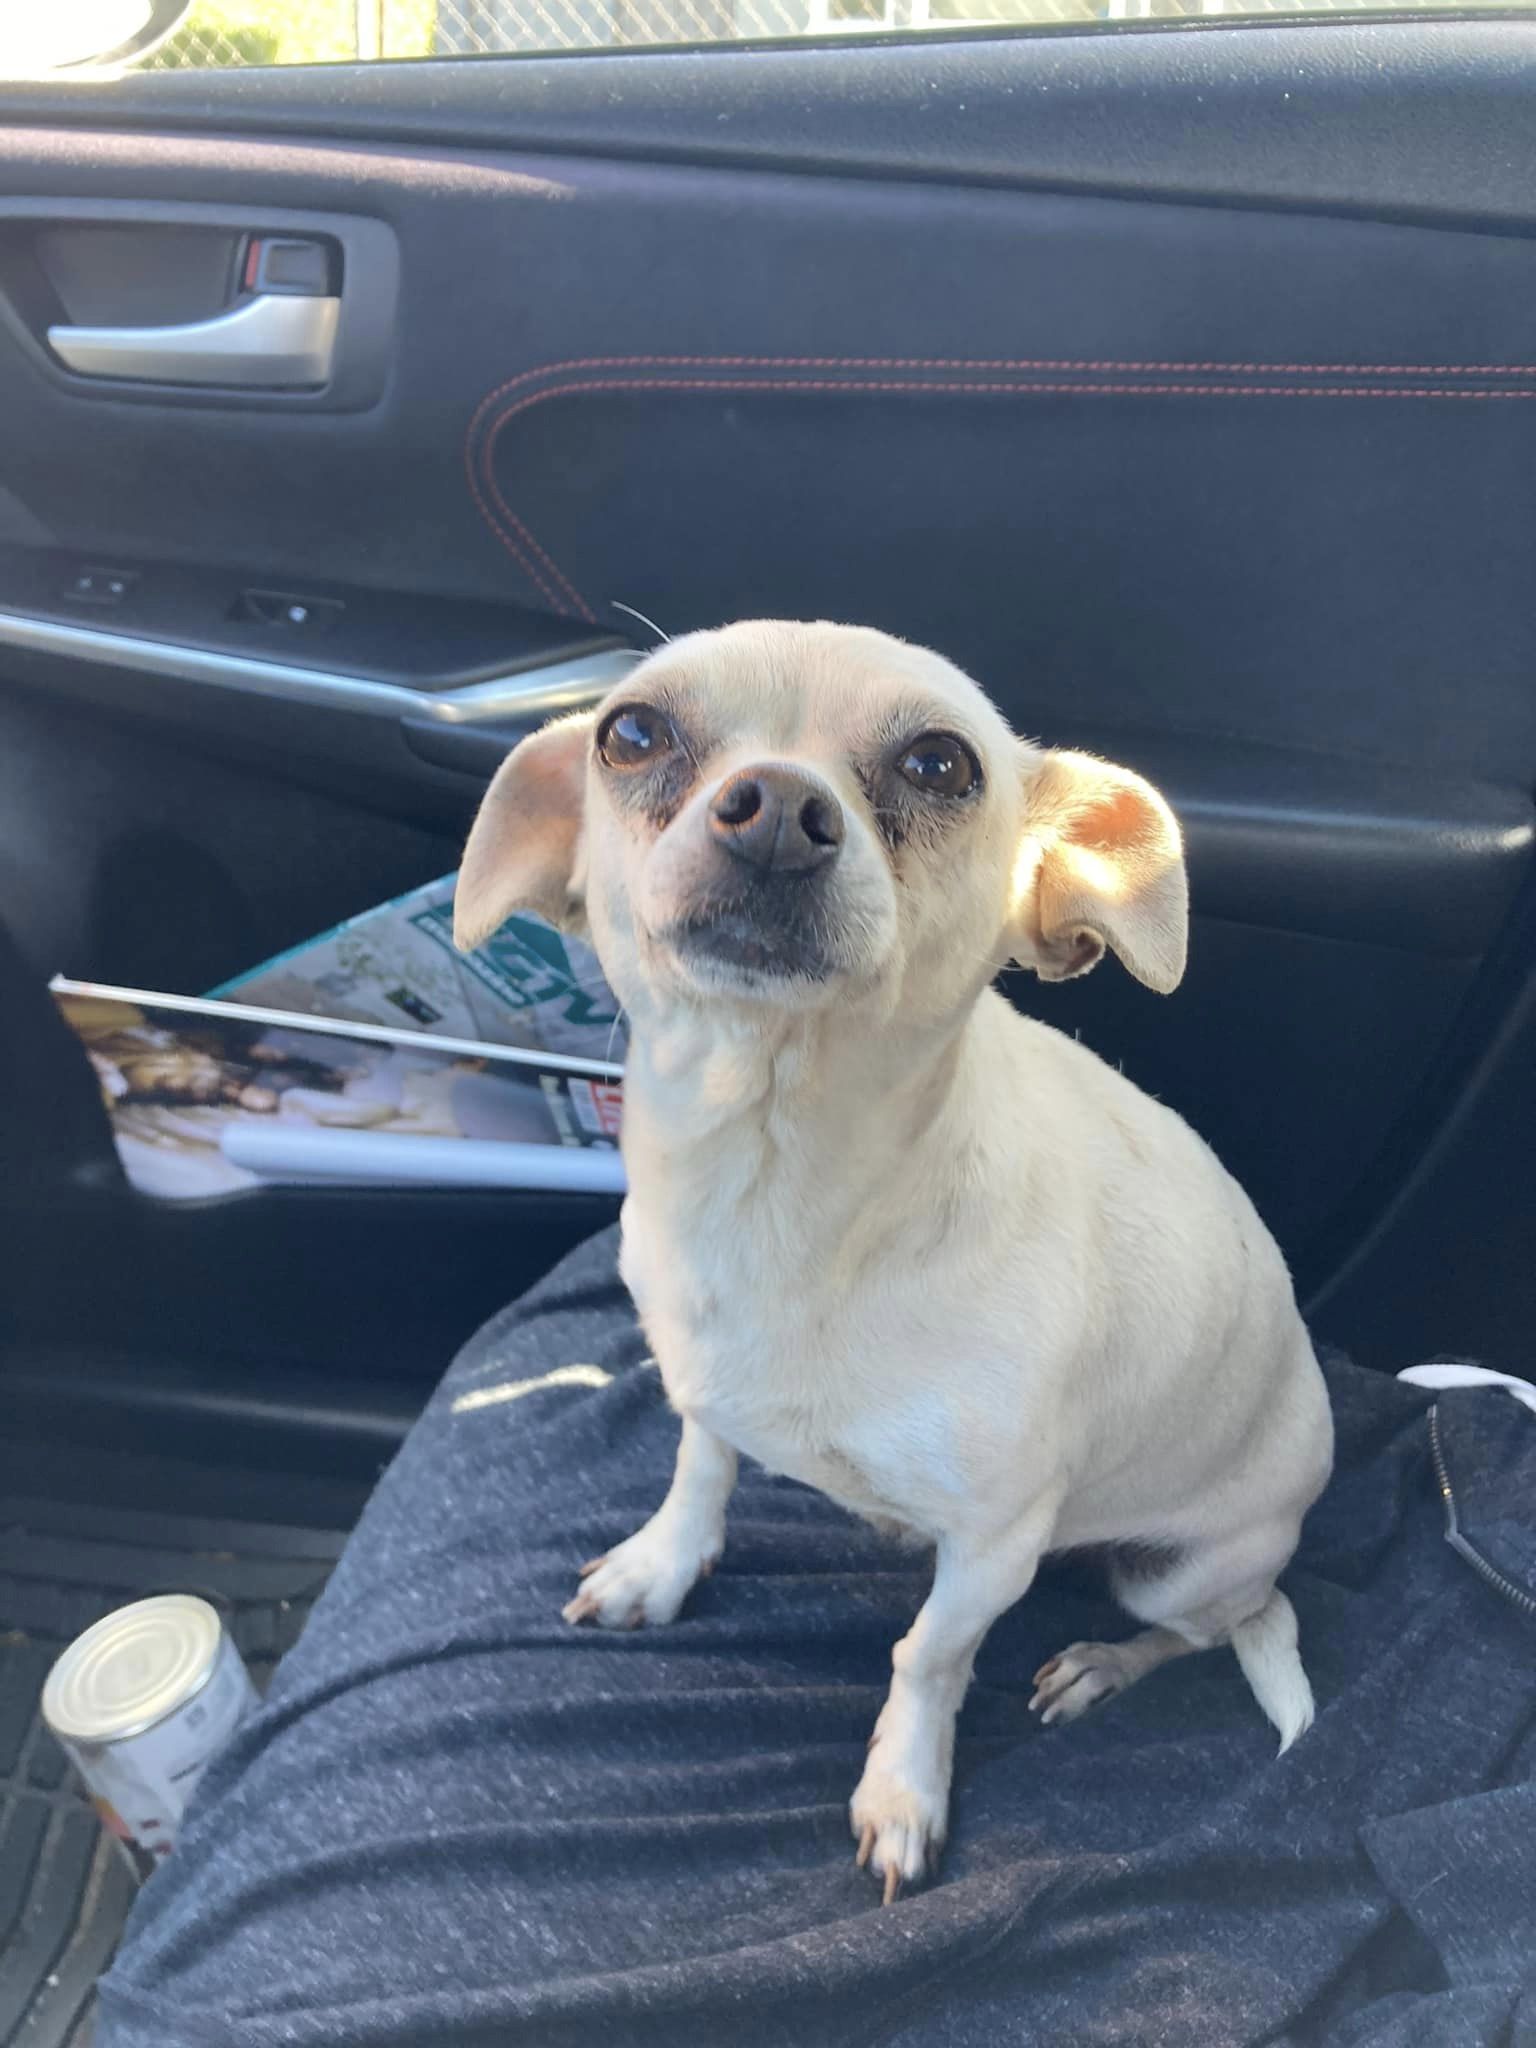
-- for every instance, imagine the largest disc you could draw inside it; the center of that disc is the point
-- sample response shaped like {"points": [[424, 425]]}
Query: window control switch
{"points": [[98, 585], [287, 611]]}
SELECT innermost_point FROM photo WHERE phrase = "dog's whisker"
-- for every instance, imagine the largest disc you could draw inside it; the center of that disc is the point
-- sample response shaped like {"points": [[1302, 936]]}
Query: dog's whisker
{"points": [[614, 605], [621, 1019]]}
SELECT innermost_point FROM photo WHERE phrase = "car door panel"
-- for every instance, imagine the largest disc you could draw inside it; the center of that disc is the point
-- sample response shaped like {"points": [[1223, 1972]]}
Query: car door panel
{"points": [[960, 412], [1236, 492]]}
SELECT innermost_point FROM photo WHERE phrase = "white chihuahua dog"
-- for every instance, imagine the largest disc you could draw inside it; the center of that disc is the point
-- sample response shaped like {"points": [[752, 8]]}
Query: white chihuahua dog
{"points": [[885, 1234]]}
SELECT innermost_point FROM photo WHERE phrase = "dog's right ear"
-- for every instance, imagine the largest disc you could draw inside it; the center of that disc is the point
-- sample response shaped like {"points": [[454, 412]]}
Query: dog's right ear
{"points": [[524, 847], [1101, 864]]}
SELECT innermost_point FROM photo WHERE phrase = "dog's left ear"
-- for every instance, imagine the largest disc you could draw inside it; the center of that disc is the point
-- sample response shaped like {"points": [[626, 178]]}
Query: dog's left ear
{"points": [[525, 844], [1100, 863]]}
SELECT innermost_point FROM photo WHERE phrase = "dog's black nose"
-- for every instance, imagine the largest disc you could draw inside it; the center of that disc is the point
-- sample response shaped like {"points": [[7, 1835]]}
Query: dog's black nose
{"points": [[777, 818]]}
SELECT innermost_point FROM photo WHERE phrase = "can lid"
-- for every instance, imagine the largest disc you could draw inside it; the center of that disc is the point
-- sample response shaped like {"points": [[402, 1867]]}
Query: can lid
{"points": [[132, 1668]]}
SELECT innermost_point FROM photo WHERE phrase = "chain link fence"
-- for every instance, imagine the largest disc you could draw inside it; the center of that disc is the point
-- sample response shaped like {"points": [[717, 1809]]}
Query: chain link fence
{"points": [[236, 32]]}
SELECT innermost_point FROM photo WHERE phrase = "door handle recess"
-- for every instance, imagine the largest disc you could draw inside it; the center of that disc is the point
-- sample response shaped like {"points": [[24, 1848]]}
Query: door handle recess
{"points": [[274, 342]]}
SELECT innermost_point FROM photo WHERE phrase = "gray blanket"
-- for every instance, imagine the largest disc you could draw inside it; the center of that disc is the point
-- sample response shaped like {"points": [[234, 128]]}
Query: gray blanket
{"points": [[457, 1821]]}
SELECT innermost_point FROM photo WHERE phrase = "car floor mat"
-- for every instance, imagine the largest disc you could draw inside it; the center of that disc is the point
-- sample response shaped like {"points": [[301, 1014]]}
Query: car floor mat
{"points": [[65, 1886]]}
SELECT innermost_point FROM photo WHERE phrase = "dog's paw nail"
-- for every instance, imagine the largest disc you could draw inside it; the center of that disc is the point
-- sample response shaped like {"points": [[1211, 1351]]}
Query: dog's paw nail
{"points": [[581, 1609], [899, 1828], [591, 1566], [1046, 1671], [707, 1568]]}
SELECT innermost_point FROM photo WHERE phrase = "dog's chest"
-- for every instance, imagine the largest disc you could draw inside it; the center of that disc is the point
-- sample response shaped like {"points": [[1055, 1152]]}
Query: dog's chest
{"points": [[797, 1383]]}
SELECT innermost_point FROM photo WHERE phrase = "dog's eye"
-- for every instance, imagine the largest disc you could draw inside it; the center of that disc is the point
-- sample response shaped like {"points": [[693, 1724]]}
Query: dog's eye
{"points": [[635, 735], [940, 765]]}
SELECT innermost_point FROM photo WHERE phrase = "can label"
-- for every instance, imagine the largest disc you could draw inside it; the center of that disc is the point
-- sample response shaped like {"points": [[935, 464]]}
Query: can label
{"points": [[140, 1784]]}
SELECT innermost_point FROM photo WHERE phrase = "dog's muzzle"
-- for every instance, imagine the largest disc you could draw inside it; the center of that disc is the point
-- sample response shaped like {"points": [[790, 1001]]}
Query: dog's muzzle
{"points": [[779, 830]]}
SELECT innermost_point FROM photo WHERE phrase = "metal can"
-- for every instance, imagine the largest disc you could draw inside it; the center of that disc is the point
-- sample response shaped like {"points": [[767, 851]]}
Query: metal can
{"points": [[139, 1704]]}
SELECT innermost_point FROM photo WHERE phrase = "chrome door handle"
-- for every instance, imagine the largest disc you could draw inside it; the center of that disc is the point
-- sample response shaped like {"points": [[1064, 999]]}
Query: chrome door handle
{"points": [[276, 342]]}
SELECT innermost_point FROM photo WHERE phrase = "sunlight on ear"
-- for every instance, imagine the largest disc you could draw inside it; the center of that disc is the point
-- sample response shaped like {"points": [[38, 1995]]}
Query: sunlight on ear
{"points": [[1106, 878], [1026, 866]]}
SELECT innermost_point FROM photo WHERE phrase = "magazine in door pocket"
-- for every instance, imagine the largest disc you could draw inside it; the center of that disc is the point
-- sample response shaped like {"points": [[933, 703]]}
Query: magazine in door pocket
{"points": [[210, 1098]]}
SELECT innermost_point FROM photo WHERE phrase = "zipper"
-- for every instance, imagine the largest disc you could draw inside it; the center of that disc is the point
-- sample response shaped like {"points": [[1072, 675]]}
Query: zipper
{"points": [[1485, 1571]]}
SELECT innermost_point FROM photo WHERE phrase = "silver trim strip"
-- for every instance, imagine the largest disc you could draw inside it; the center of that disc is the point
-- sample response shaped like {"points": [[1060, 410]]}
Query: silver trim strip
{"points": [[340, 1027], [534, 693], [558, 686], [278, 342]]}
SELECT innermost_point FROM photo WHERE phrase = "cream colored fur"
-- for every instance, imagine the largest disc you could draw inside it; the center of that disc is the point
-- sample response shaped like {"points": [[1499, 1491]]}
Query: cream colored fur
{"points": [[899, 1242]]}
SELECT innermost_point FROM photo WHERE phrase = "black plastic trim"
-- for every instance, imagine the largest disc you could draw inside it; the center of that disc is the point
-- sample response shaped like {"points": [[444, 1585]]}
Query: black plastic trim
{"points": [[419, 643], [1341, 847], [302, 1417], [1441, 1262], [1423, 118]]}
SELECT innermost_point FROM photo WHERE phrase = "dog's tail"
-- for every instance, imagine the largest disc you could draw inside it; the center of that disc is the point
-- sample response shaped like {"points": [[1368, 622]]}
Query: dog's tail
{"points": [[1266, 1650]]}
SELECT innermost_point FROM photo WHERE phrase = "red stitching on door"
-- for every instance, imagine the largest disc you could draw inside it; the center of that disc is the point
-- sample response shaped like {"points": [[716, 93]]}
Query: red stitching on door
{"points": [[527, 552], [517, 553], [1009, 363]]}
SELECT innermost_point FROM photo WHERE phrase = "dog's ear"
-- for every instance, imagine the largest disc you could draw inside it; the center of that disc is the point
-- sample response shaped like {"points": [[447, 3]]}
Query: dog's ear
{"points": [[1100, 863], [525, 844]]}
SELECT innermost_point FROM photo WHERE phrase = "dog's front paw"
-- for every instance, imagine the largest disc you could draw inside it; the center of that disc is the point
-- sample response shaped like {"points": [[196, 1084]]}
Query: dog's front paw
{"points": [[899, 1822], [646, 1579]]}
